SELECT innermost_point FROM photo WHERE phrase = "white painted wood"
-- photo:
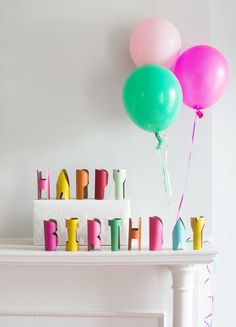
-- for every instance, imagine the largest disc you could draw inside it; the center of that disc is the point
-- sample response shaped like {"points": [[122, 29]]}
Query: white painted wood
{"points": [[36, 268], [85, 319], [23, 253], [183, 286]]}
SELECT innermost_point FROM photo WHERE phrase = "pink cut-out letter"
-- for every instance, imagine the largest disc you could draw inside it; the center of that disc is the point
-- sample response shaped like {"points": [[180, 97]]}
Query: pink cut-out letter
{"points": [[50, 234], [155, 233], [43, 184], [94, 231]]}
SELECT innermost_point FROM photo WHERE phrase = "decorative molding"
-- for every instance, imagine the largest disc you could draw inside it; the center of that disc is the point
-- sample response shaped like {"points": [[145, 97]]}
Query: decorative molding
{"points": [[160, 317], [182, 265]]}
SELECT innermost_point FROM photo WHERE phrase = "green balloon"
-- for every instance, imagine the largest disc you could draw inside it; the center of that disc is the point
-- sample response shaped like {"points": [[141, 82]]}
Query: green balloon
{"points": [[152, 97]]}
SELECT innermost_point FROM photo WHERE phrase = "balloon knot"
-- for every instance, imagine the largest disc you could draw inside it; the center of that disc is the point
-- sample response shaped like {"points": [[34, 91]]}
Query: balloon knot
{"points": [[199, 113], [159, 140]]}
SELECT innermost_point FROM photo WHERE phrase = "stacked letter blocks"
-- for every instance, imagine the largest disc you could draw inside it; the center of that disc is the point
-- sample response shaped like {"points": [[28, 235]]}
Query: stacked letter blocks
{"points": [[96, 222], [63, 207]]}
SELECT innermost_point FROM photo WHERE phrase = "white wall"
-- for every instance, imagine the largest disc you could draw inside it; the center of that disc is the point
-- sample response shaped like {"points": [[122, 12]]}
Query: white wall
{"points": [[62, 67], [223, 25], [63, 64]]}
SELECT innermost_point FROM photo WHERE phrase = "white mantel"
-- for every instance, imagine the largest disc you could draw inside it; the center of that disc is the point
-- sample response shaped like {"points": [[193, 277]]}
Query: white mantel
{"points": [[26, 253], [182, 265]]}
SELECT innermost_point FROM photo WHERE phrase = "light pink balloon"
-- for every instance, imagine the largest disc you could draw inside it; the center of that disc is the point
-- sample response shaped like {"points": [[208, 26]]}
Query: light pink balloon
{"points": [[155, 41]]}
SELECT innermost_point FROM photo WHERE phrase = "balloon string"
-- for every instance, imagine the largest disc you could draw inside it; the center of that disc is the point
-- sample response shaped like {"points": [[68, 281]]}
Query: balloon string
{"points": [[166, 165], [164, 170], [197, 115]]}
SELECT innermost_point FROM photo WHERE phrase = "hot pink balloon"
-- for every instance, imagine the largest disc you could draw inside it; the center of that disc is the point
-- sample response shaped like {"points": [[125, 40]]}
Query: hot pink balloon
{"points": [[203, 74], [155, 41]]}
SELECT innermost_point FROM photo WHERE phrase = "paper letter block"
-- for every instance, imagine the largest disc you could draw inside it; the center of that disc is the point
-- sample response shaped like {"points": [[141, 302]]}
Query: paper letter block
{"points": [[82, 181], [115, 233], [63, 185], [43, 184], [135, 233], [155, 233], [50, 234], [179, 235], [72, 244], [119, 176], [197, 225], [101, 180], [94, 231]]}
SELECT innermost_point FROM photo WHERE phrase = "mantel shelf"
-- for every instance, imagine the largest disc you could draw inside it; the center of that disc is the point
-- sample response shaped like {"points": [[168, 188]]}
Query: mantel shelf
{"points": [[22, 252]]}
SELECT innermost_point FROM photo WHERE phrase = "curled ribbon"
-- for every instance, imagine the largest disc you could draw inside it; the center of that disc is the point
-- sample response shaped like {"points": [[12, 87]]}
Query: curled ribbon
{"points": [[199, 114], [208, 319], [159, 140]]}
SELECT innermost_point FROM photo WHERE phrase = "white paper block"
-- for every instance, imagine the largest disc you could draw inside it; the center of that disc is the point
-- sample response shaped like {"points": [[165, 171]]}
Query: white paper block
{"points": [[82, 209]]}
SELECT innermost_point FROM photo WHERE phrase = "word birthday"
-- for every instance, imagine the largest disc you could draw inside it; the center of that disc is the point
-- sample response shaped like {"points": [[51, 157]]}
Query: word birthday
{"points": [[82, 182], [94, 234]]}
